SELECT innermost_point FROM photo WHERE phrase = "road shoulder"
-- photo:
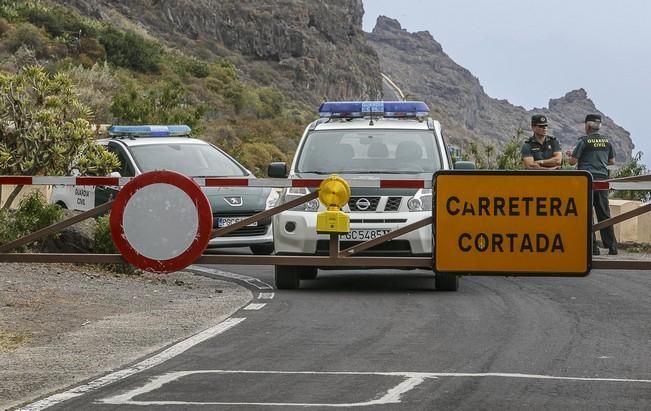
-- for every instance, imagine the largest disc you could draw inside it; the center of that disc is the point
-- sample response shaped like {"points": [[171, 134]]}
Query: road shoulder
{"points": [[61, 324]]}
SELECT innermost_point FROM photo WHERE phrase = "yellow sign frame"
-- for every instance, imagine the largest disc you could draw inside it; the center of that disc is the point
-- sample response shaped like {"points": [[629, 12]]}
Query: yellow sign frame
{"points": [[521, 223]]}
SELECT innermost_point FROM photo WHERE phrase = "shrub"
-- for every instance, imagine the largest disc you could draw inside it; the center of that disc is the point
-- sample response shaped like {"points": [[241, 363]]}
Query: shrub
{"points": [[634, 167], [33, 213], [26, 35], [103, 241], [104, 245], [130, 50]]}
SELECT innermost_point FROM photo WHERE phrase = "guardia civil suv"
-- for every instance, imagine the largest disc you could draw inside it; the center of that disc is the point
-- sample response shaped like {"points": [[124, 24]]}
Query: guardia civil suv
{"points": [[147, 148], [372, 140]]}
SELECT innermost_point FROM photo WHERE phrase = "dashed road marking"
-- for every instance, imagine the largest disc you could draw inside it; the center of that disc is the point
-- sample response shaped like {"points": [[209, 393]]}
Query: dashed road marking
{"points": [[266, 296], [254, 306]]}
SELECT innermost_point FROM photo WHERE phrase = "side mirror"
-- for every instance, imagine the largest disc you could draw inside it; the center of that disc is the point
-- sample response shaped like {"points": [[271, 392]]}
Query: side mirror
{"points": [[277, 170], [464, 165]]}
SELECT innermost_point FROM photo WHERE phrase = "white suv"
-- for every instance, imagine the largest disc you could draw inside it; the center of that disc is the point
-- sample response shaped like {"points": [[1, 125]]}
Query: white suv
{"points": [[370, 140]]}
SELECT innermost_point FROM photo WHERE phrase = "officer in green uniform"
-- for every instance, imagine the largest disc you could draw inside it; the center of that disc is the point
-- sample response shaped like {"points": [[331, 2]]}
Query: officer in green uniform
{"points": [[594, 153], [540, 151]]}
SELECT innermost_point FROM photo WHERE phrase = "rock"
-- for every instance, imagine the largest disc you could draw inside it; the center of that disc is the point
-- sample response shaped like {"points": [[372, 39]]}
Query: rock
{"points": [[78, 238]]}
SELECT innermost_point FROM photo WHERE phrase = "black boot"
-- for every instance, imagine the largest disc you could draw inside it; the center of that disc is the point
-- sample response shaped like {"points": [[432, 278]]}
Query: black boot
{"points": [[595, 250], [612, 250]]}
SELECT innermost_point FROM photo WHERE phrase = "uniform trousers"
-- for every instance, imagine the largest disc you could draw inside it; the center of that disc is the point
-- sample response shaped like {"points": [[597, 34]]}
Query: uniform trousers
{"points": [[602, 211]]}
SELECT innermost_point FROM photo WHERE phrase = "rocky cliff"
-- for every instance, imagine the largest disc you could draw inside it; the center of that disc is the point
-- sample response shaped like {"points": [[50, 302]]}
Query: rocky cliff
{"points": [[420, 67], [313, 49]]}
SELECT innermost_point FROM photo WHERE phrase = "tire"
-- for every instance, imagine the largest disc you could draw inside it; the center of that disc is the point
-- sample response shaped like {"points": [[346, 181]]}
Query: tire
{"points": [[287, 278], [446, 282], [262, 249], [308, 273]]}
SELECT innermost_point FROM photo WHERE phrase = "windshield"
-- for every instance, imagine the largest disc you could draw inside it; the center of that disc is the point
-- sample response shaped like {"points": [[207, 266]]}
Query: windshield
{"points": [[190, 159], [369, 151]]}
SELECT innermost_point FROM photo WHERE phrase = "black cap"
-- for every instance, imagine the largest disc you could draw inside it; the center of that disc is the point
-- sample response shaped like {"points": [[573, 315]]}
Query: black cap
{"points": [[593, 117], [539, 120]]}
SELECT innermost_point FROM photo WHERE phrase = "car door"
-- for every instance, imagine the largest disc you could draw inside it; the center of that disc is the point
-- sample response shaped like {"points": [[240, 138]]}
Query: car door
{"points": [[127, 169]]}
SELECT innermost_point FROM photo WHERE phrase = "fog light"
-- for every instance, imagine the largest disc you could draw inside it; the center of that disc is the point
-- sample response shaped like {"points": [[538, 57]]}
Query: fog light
{"points": [[290, 226]]}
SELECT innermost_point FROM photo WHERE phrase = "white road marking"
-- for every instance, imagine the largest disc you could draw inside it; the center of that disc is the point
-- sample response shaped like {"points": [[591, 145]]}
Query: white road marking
{"points": [[391, 396], [254, 306], [253, 282], [150, 362], [266, 296]]}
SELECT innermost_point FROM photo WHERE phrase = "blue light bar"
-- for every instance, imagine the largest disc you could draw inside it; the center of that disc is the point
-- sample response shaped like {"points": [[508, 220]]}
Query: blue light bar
{"points": [[150, 131], [357, 109]]}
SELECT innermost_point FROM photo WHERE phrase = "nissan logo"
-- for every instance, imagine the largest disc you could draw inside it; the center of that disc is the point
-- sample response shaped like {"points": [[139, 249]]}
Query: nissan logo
{"points": [[363, 204]]}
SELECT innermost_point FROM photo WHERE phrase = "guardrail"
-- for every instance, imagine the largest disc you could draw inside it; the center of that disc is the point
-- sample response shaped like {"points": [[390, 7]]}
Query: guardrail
{"points": [[336, 257]]}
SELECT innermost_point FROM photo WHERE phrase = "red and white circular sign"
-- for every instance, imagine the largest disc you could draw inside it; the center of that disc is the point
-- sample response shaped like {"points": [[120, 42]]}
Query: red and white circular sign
{"points": [[161, 221]]}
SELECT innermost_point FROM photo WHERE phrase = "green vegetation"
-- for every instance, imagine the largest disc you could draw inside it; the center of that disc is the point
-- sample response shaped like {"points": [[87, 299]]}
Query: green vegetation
{"points": [[125, 78], [632, 168], [32, 214], [44, 128]]}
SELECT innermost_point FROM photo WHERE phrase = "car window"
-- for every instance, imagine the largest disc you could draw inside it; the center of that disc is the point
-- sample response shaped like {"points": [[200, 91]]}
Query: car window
{"points": [[189, 159], [369, 151], [126, 168]]}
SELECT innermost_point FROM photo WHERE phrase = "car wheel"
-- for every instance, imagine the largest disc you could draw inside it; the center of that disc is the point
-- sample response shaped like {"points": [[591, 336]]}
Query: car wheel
{"points": [[262, 249], [287, 278], [447, 282], [308, 273]]}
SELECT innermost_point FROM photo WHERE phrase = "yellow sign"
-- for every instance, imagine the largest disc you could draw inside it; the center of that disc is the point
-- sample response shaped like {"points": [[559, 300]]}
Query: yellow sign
{"points": [[523, 223]]}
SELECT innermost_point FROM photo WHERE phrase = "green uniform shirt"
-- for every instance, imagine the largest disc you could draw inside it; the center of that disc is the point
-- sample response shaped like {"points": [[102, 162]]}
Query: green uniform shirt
{"points": [[544, 151], [593, 152]]}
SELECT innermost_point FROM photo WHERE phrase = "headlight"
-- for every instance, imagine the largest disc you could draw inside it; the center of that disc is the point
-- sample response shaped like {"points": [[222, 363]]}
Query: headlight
{"points": [[421, 201], [293, 193], [272, 198]]}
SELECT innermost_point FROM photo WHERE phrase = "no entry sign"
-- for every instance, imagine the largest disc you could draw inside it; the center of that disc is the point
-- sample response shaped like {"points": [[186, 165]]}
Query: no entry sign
{"points": [[161, 221]]}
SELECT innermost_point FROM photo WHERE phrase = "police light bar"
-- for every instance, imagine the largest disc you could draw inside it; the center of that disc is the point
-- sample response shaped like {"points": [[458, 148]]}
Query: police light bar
{"points": [[150, 131], [356, 109]]}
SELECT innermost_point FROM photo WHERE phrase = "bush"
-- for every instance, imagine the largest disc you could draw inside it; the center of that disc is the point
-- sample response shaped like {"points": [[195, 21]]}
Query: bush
{"points": [[33, 213], [26, 35], [104, 245], [103, 241], [634, 167], [129, 50]]}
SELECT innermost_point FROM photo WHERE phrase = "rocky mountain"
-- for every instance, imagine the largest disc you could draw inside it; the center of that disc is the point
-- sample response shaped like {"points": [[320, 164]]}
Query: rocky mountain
{"points": [[420, 67], [316, 49], [312, 49]]}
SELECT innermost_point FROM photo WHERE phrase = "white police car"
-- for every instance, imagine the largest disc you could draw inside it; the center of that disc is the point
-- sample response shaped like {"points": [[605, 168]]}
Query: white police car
{"points": [[146, 148], [372, 140]]}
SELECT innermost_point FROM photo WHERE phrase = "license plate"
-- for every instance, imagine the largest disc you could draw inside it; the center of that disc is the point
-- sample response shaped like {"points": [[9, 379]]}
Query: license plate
{"points": [[226, 221], [364, 235]]}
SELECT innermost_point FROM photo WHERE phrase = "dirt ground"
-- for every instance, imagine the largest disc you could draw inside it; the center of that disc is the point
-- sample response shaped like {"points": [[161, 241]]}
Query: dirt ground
{"points": [[61, 323]]}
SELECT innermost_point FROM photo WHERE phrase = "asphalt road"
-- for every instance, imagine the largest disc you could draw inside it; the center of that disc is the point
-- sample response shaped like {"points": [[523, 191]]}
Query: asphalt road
{"points": [[387, 341]]}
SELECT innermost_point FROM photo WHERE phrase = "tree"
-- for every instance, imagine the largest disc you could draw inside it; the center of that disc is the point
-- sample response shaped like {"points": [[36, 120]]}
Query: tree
{"points": [[44, 128]]}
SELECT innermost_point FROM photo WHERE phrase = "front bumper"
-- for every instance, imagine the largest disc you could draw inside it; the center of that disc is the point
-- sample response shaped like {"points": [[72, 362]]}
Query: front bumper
{"points": [[304, 239], [234, 240]]}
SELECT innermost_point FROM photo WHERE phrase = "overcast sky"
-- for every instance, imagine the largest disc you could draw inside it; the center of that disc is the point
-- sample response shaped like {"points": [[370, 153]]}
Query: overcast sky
{"points": [[528, 51]]}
